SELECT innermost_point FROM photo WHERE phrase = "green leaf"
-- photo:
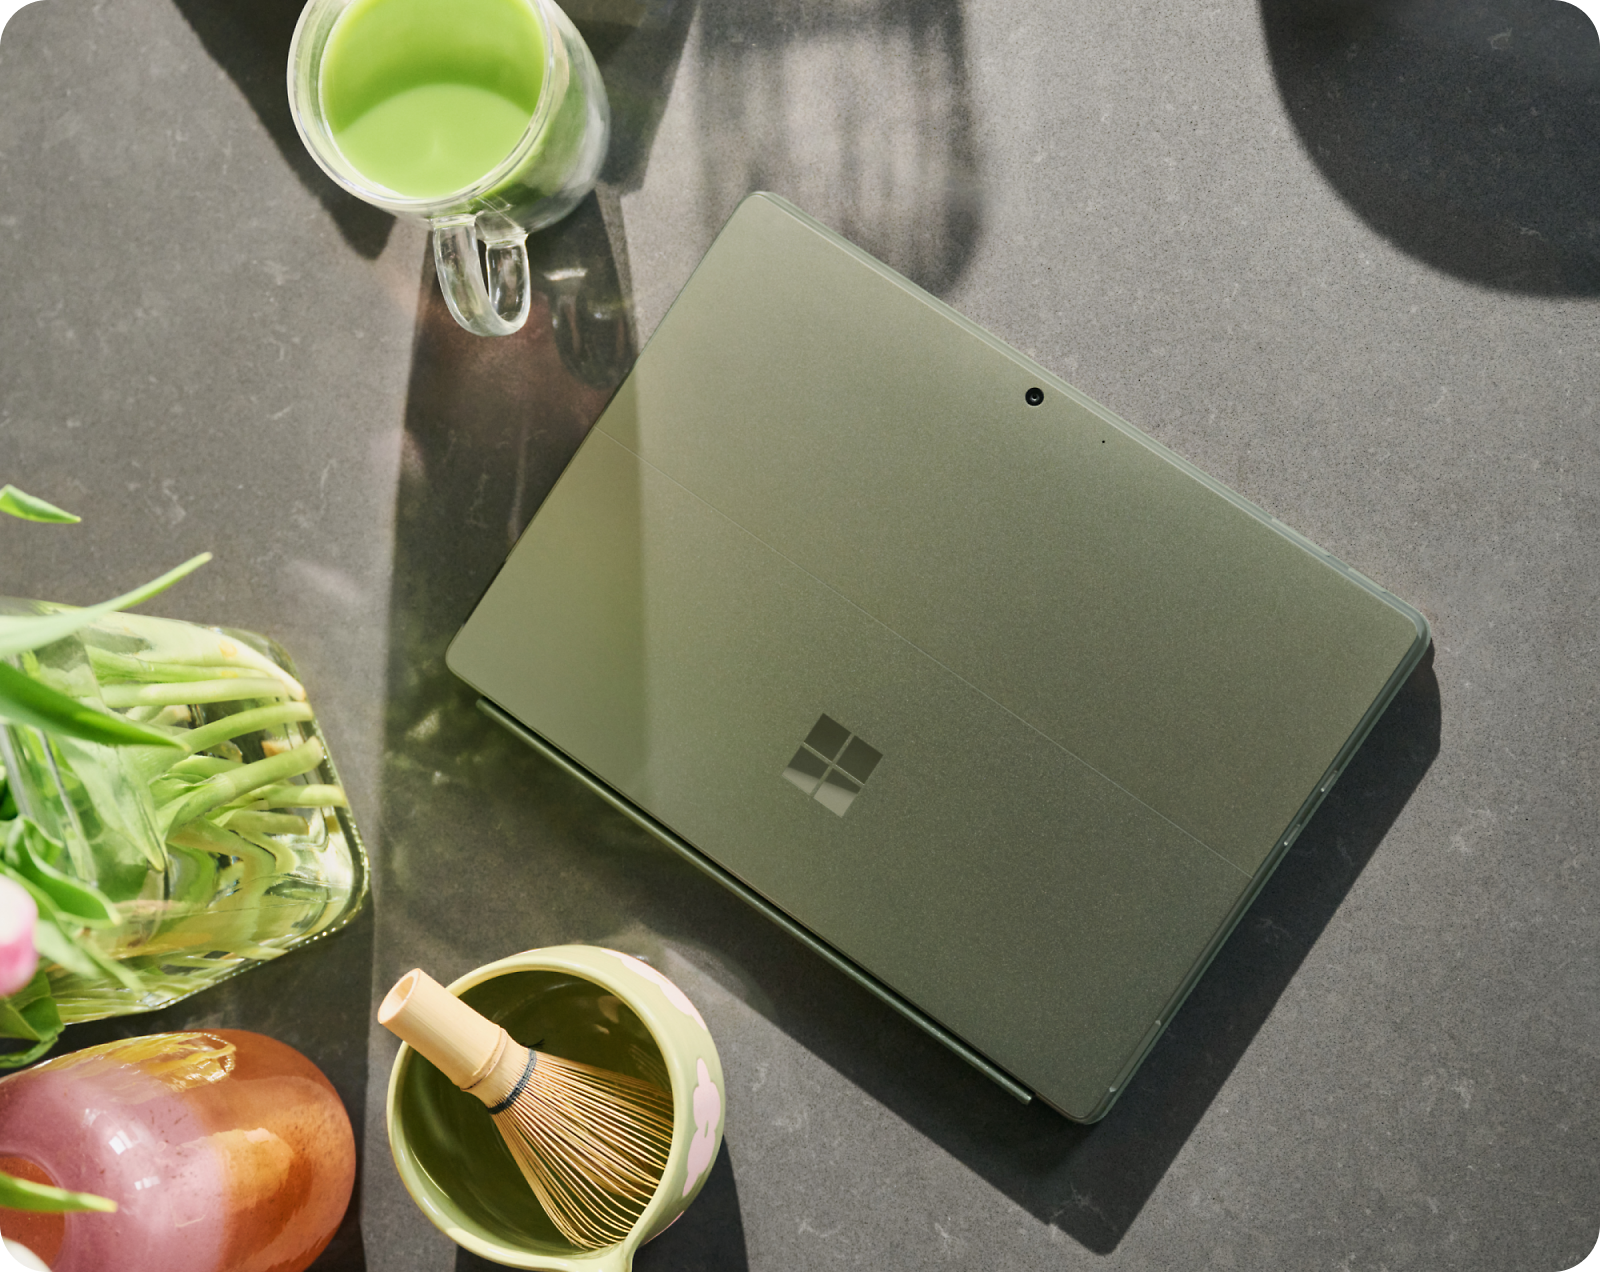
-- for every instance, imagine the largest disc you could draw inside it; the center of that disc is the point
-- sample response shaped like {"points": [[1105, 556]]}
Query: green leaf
{"points": [[19, 1194], [25, 701], [82, 901], [30, 631], [91, 778], [13, 1024], [250, 822], [29, 1014], [199, 767], [290, 795], [224, 788], [17, 1059], [122, 694], [54, 945], [31, 508], [55, 935], [42, 1015], [210, 735]]}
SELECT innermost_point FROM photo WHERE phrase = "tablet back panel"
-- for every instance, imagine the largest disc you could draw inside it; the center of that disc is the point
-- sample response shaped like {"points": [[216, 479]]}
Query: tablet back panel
{"points": [[1006, 704]]}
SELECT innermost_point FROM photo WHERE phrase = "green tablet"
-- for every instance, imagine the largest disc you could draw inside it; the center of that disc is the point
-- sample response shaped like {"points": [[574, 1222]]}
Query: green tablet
{"points": [[987, 697]]}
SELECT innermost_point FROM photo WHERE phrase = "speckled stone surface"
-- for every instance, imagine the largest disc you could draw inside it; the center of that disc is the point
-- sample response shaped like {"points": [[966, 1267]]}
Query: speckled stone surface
{"points": [[1341, 255]]}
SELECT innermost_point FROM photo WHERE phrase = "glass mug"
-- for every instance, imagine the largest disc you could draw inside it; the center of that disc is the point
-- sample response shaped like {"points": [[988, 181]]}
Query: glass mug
{"points": [[485, 118]]}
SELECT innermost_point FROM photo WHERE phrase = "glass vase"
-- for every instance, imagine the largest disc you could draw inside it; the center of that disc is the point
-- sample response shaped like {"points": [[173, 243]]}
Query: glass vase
{"points": [[225, 1151], [225, 850]]}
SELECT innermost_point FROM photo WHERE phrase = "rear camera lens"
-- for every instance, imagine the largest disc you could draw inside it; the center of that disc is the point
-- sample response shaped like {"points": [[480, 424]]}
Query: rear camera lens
{"points": [[1034, 396]]}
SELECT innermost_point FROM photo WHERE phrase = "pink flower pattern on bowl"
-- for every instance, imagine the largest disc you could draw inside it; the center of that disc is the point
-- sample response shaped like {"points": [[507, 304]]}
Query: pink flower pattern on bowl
{"points": [[707, 1113], [675, 996]]}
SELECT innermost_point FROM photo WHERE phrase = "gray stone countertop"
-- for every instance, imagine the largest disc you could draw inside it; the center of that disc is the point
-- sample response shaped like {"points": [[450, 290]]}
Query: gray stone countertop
{"points": [[1344, 256]]}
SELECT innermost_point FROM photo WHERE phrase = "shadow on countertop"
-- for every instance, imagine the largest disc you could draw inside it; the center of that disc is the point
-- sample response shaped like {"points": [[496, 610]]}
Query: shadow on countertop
{"points": [[859, 113], [1467, 135], [250, 42]]}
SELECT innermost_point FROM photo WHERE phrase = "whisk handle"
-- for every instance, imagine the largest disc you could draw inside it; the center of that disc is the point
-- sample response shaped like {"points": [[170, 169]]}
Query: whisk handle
{"points": [[462, 1043]]}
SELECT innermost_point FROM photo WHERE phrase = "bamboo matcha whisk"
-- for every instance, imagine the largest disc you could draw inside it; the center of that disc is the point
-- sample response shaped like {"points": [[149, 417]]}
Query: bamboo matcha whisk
{"points": [[592, 1144]]}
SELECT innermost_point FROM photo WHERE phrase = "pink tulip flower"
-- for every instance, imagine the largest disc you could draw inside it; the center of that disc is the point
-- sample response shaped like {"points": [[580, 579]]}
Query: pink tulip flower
{"points": [[18, 958]]}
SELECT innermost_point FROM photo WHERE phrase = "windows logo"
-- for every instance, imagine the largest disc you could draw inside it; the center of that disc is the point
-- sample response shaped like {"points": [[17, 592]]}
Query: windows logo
{"points": [[832, 766]]}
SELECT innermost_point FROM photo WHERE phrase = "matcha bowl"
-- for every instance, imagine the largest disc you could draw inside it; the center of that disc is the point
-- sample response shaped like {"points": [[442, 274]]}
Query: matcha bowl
{"points": [[584, 1003]]}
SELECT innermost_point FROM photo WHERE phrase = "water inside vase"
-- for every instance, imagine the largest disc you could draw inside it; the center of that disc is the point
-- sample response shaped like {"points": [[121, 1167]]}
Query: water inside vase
{"points": [[227, 850]]}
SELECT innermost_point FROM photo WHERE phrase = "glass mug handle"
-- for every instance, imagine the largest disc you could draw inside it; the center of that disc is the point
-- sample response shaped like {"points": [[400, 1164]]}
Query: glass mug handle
{"points": [[498, 307]]}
